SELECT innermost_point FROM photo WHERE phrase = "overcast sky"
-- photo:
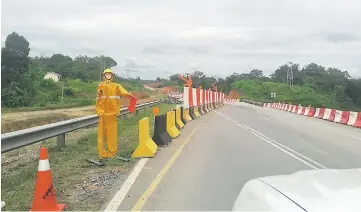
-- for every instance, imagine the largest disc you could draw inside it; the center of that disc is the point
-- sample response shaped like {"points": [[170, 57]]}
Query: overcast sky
{"points": [[218, 37]]}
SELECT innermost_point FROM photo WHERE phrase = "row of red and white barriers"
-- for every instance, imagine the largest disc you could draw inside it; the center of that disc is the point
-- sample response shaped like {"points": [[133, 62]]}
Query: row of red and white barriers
{"points": [[343, 117]]}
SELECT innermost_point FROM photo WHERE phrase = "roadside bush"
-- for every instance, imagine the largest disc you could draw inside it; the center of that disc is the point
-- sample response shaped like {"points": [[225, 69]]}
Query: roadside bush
{"points": [[47, 83], [68, 92], [53, 96], [14, 97]]}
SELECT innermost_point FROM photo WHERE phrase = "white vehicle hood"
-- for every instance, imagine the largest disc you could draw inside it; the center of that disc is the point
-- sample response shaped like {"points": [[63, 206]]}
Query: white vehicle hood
{"points": [[321, 190]]}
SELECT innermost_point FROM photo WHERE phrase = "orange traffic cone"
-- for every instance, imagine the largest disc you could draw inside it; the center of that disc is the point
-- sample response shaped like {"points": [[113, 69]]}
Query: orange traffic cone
{"points": [[44, 195]]}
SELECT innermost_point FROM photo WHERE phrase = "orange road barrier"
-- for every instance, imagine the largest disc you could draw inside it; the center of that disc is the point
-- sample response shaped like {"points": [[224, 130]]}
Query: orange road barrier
{"points": [[155, 111]]}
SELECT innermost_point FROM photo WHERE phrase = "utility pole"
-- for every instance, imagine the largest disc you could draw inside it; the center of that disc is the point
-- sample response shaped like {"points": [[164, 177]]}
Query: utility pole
{"points": [[62, 92], [101, 68], [289, 74]]}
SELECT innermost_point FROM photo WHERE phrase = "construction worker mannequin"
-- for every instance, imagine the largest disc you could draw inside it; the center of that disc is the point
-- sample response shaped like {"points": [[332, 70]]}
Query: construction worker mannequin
{"points": [[108, 106]]}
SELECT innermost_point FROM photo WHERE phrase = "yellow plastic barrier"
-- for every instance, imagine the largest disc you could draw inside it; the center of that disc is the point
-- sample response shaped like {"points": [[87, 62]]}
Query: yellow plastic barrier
{"points": [[178, 118], [196, 112], [171, 128], [146, 147], [187, 116]]}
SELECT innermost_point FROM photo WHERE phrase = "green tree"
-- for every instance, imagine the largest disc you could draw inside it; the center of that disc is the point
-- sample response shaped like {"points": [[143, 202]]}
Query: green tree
{"points": [[16, 83], [14, 59]]}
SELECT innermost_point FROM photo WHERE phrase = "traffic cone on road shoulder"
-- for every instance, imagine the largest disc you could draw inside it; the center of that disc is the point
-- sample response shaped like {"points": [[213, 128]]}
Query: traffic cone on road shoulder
{"points": [[44, 195]]}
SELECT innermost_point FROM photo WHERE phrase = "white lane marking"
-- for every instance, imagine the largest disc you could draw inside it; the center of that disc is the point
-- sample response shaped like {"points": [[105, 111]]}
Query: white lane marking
{"points": [[288, 153], [285, 147], [278, 145], [273, 143], [118, 198]]}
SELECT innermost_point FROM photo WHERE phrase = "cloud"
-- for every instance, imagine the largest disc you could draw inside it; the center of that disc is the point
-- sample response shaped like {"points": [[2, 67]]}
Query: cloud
{"points": [[159, 37]]}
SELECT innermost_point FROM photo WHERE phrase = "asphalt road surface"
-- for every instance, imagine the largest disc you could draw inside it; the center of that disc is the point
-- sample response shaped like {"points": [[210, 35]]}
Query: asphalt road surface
{"points": [[206, 167]]}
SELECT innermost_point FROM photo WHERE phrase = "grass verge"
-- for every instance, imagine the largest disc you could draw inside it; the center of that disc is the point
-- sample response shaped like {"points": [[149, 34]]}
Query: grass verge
{"points": [[82, 186]]}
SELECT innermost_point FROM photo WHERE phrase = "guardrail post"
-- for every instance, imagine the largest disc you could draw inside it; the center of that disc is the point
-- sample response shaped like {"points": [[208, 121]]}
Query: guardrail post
{"points": [[137, 112], [124, 116], [60, 141]]}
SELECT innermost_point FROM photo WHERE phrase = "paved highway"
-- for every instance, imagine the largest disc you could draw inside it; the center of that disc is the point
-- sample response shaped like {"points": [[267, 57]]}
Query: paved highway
{"points": [[206, 167]]}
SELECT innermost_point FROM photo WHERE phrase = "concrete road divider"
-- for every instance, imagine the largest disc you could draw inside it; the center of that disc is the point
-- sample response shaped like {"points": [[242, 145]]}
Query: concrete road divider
{"points": [[183, 116], [204, 109], [171, 128], [146, 147], [161, 136], [188, 115], [192, 114], [200, 110], [178, 121], [196, 112]]}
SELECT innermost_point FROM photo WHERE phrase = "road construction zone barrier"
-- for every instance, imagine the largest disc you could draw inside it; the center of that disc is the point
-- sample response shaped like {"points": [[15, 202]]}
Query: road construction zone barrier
{"points": [[231, 100], [200, 101], [171, 128], [178, 120], [161, 136], [183, 116], [166, 128], [146, 147], [349, 118]]}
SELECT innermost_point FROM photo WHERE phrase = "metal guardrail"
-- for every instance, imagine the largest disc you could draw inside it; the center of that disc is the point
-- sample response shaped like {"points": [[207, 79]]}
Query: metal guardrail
{"points": [[21, 138]]}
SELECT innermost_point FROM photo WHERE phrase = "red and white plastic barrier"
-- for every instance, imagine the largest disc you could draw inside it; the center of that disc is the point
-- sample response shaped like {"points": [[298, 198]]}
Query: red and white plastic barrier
{"points": [[332, 115], [342, 117], [345, 117], [193, 97], [338, 116]]}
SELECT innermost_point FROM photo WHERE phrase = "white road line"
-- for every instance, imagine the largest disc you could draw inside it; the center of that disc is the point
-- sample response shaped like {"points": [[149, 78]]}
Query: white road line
{"points": [[118, 198], [288, 153], [277, 143], [285, 149]]}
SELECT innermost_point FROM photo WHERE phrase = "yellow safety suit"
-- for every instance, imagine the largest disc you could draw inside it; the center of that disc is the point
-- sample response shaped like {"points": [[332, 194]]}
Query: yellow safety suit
{"points": [[108, 108]]}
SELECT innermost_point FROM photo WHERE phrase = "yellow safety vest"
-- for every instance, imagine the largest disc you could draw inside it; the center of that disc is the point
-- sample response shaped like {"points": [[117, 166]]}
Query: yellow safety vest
{"points": [[108, 98]]}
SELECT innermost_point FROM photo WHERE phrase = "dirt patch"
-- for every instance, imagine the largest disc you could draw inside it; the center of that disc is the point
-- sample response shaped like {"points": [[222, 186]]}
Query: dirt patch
{"points": [[33, 121], [234, 94], [169, 89]]}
